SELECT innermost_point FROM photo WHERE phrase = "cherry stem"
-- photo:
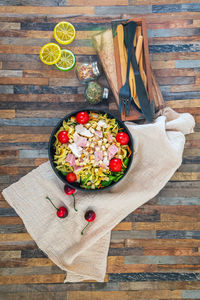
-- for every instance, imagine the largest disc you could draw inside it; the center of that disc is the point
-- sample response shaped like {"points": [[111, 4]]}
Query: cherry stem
{"points": [[84, 228], [74, 203], [51, 202]]}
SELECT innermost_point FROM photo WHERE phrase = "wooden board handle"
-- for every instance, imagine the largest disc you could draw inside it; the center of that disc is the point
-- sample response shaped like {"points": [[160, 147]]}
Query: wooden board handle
{"points": [[120, 38], [139, 48]]}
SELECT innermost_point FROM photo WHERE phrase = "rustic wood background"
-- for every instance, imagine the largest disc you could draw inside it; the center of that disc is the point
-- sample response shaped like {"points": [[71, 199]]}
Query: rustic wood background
{"points": [[154, 252]]}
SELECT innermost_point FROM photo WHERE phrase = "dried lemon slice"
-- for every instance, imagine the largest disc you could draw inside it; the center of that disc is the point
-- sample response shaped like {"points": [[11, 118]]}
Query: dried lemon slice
{"points": [[50, 54], [64, 33]]}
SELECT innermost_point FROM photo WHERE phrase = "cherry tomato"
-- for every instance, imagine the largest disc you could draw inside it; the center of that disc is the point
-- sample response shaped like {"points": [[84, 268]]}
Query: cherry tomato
{"points": [[122, 138], [63, 137], [115, 165], [71, 177], [82, 117]]}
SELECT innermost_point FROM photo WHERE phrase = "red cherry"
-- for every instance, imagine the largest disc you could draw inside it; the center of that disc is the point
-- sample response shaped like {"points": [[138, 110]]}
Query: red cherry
{"points": [[115, 165], [122, 138], [62, 212], [63, 137], [82, 117], [90, 215], [70, 191], [71, 177]]}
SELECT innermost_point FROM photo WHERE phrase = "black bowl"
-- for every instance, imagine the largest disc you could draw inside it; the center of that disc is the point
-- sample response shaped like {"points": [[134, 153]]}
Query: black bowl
{"points": [[51, 148]]}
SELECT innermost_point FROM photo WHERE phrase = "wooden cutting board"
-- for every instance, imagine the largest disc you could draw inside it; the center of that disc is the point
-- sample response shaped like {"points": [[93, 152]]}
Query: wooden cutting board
{"points": [[106, 45], [134, 114]]}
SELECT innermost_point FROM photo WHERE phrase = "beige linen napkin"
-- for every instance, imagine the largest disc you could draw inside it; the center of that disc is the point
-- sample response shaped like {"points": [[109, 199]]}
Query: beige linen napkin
{"points": [[158, 153]]}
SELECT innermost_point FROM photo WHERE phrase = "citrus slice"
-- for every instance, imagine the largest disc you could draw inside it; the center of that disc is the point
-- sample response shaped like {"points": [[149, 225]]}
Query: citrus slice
{"points": [[67, 60], [50, 54], [64, 33]]}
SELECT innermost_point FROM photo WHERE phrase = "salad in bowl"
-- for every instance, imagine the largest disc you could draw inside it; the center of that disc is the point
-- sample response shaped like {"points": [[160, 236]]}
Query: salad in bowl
{"points": [[90, 150]]}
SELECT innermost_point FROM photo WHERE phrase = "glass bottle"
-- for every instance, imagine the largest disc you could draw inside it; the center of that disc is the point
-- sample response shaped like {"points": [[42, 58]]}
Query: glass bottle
{"points": [[88, 72], [95, 93]]}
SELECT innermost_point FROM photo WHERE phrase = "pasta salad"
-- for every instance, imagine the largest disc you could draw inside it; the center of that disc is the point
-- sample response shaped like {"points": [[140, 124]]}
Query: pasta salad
{"points": [[92, 150]]}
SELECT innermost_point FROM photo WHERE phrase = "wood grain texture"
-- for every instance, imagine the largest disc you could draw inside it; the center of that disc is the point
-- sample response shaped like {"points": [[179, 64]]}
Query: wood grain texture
{"points": [[97, 2], [39, 34], [23, 81], [40, 10], [154, 252], [9, 26], [129, 295], [21, 49], [7, 114]]}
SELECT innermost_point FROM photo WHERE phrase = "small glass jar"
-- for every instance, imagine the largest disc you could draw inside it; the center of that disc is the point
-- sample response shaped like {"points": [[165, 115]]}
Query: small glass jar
{"points": [[95, 93], [88, 72]]}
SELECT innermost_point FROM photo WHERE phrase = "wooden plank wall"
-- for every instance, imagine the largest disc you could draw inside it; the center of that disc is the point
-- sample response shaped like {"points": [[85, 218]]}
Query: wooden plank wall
{"points": [[154, 252]]}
